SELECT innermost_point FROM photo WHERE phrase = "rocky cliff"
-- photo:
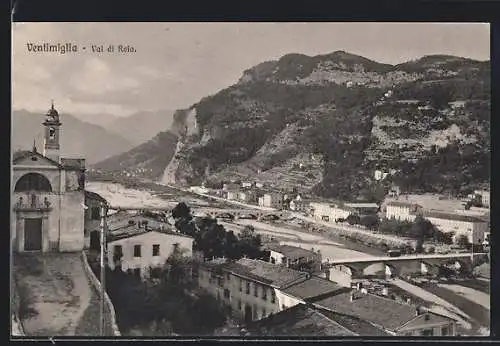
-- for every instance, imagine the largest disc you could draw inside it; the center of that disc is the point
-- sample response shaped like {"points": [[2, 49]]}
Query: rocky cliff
{"points": [[325, 123]]}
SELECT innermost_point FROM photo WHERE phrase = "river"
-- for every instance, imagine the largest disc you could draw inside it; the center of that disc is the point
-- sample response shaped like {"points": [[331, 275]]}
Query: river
{"points": [[330, 247]]}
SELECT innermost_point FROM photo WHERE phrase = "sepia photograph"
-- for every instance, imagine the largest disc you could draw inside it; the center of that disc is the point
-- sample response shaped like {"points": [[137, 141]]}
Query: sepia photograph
{"points": [[250, 180]]}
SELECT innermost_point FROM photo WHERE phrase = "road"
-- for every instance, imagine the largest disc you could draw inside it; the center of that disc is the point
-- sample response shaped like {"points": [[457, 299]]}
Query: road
{"points": [[444, 307], [471, 294], [402, 258], [225, 200]]}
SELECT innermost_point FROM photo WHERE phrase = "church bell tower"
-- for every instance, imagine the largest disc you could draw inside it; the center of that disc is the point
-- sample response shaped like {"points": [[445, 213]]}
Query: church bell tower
{"points": [[52, 134]]}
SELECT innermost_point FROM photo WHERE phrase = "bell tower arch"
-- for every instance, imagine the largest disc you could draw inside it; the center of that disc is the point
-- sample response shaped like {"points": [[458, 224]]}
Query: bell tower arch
{"points": [[52, 135]]}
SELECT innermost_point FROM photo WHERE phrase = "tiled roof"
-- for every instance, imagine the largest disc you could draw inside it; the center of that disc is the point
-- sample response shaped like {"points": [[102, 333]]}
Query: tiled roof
{"points": [[20, 153], [426, 318], [24, 153], [299, 320], [95, 196], [268, 273], [133, 231], [291, 251], [361, 205], [449, 216], [355, 324], [380, 311], [402, 204], [313, 288]]}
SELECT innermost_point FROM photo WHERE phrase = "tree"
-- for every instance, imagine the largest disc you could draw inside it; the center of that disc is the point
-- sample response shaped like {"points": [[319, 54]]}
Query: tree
{"points": [[422, 228], [353, 219], [181, 211], [419, 246], [250, 242], [463, 241], [370, 221], [176, 266]]}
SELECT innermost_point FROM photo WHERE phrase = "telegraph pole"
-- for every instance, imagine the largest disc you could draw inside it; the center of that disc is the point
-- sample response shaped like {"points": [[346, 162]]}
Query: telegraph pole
{"points": [[103, 269]]}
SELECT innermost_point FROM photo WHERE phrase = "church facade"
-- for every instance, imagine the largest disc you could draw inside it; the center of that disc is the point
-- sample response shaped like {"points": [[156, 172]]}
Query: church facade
{"points": [[48, 197]]}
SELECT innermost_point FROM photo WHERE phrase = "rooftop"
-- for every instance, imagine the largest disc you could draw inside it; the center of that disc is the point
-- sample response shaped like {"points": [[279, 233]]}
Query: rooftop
{"points": [[129, 231], [314, 288], [261, 271], [361, 205], [432, 202], [291, 251], [425, 319], [299, 320], [450, 216], [95, 196], [355, 324], [380, 311]]}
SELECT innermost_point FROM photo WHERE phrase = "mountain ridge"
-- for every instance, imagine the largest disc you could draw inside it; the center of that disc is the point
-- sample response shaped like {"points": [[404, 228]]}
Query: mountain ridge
{"points": [[334, 103], [78, 138]]}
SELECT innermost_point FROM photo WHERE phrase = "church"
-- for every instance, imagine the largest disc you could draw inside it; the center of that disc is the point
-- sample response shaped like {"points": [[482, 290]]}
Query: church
{"points": [[48, 197]]}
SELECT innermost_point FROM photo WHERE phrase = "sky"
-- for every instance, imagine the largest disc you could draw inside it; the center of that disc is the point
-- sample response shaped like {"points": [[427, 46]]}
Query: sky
{"points": [[177, 64]]}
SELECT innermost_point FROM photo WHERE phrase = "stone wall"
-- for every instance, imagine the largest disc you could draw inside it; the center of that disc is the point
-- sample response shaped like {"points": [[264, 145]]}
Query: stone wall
{"points": [[97, 286], [16, 326]]}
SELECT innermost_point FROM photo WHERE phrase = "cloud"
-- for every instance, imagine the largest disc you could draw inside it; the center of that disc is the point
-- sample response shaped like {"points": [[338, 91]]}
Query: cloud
{"points": [[97, 77], [176, 64]]}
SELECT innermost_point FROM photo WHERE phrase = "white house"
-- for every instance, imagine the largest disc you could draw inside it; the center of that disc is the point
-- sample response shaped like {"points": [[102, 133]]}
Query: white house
{"points": [[292, 255], [232, 195], [247, 196], [402, 211], [485, 197], [140, 250], [473, 228], [271, 200], [330, 212]]}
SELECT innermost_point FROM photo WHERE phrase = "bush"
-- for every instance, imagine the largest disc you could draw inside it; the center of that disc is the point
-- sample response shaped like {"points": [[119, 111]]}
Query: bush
{"points": [[431, 250]]}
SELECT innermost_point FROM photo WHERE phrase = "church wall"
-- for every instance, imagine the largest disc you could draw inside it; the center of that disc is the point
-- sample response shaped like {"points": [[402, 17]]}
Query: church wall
{"points": [[53, 175], [50, 223], [72, 221], [71, 180]]}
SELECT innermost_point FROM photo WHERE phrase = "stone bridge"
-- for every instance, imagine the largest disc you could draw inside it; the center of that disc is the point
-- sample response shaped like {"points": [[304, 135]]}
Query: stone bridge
{"points": [[344, 271], [217, 212], [242, 213]]}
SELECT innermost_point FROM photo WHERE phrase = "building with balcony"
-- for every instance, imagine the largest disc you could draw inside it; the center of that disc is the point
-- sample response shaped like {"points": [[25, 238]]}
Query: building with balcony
{"points": [[47, 196]]}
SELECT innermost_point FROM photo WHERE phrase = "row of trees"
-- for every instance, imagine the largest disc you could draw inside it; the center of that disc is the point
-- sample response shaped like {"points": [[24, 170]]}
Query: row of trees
{"points": [[213, 240]]}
